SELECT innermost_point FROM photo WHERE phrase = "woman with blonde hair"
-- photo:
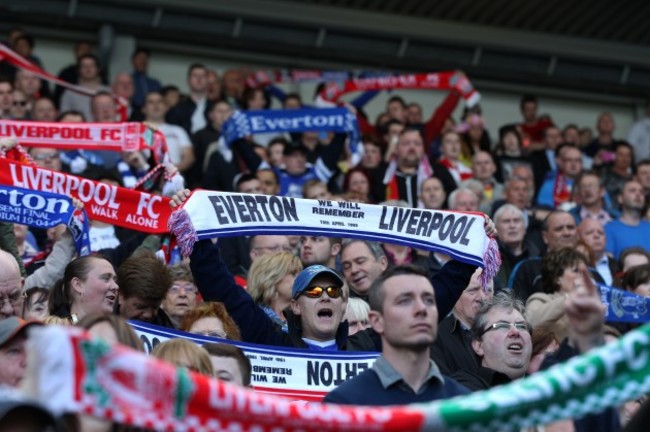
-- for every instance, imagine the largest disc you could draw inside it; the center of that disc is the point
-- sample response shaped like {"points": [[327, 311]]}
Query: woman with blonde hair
{"points": [[211, 319], [270, 280], [183, 353]]}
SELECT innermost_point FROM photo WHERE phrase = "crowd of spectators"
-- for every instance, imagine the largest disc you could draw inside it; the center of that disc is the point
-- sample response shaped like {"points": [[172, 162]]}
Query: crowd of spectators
{"points": [[571, 207]]}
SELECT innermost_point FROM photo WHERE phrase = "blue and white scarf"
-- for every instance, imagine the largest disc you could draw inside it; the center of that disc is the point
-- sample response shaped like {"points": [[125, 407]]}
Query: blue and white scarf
{"points": [[244, 123], [40, 209], [624, 306]]}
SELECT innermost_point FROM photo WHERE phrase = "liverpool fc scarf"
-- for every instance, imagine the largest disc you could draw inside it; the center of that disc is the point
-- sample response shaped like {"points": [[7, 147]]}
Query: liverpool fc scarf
{"points": [[208, 214], [88, 136], [39, 209], [243, 123], [69, 372], [436, 81], [115, 205]]}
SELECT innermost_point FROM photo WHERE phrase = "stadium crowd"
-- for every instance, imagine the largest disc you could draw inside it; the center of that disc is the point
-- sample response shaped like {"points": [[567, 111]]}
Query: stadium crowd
{"points": [[570, 205]]}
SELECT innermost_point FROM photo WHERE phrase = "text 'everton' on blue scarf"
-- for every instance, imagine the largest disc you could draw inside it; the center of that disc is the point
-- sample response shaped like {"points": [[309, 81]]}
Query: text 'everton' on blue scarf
{"points": [[244, 123], [40, 209]]}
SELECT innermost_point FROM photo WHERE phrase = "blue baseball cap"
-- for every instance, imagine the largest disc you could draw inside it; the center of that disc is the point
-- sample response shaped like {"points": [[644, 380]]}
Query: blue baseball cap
{"points": [[305, 277]]}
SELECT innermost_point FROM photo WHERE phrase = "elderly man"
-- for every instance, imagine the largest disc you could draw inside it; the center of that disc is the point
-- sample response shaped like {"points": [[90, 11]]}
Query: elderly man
{"points": [[403, 312], [511, 225], [452, 350], [592, 233], [463, 199], [11, 286]]}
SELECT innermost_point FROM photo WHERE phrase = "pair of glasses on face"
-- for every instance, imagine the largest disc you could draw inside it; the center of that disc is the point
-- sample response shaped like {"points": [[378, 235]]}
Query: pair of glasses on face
{"points": [[14, 299], [503, 326], [317, 291], [213, 333]]}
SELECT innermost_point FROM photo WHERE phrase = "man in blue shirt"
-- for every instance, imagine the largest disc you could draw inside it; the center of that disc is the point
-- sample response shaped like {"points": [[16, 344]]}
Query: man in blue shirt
{"points": [[629, 229]]}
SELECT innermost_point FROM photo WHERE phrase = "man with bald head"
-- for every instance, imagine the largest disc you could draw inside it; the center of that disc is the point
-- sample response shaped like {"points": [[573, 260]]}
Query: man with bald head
{"points": [[11, 286], [592, 233]]}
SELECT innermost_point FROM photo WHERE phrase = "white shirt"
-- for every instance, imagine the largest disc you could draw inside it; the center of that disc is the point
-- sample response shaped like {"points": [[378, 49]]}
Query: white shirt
{"points": [[177, 139], [639, 137], [198, 119], [602, 267], [103, 238]]}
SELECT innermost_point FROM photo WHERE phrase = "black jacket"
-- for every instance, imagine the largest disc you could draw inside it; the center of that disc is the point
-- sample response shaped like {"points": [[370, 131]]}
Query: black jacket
{"points": [[452, 351]]}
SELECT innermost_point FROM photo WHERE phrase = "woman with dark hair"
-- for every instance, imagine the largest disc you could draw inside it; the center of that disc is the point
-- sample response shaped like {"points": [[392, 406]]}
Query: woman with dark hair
{"points": [[560, 269], [211, 319], [89, 285], [475, 134], [357, 181], [637, 280], [509, 152], [35, 304]]}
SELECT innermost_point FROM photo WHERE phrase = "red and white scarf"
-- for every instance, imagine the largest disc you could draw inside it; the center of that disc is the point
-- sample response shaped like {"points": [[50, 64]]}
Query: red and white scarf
{"points": [[88, 136], [435, 80]]}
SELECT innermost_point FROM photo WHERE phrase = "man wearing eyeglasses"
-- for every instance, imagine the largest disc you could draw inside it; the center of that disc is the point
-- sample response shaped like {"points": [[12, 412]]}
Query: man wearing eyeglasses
{"points": [[502, 341], [261, 245]]}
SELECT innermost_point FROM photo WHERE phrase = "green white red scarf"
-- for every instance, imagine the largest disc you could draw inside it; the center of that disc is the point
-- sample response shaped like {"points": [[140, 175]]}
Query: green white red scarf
{"points": [[70, 372]]}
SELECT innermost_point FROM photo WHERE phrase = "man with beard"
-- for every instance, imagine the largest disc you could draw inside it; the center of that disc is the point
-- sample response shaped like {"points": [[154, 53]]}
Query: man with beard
{"points": [[629, 230], [410, 168], [403, 312]]}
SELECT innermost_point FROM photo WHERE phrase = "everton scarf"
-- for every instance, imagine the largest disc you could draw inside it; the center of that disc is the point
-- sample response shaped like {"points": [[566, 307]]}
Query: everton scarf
{"points": [[436, 81], [70, 372], [16, 60], [39, 209], [208, 214], [624, 306], [243, 123], [115, 205], [89, 136]]}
